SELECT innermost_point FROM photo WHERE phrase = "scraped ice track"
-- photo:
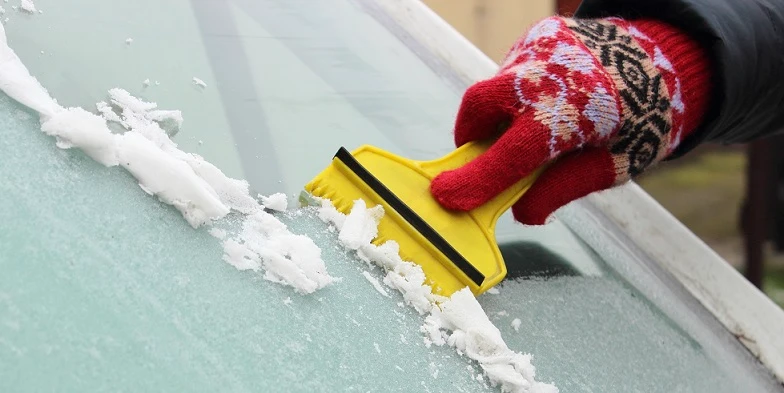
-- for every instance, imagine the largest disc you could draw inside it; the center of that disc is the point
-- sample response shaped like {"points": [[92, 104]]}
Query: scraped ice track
{"points": [[458, 321], [205, 196]]}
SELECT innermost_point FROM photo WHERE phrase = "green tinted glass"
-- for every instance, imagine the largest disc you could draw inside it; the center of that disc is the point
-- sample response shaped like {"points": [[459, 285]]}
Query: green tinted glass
{"points": [[103, 288]]}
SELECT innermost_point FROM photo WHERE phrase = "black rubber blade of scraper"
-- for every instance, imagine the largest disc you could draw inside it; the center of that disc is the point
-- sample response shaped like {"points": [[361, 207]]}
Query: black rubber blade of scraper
{"points": [[409, 215]]}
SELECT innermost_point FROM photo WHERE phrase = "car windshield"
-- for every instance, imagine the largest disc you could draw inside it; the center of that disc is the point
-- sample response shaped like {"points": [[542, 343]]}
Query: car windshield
{"points": [[104, 288]]}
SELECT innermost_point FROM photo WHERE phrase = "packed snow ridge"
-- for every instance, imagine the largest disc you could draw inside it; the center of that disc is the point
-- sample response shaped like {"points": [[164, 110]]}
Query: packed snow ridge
{"points": [[200, 191], [458, 321]]}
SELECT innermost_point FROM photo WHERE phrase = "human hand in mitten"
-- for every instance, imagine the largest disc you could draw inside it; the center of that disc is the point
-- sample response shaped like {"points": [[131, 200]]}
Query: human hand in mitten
{"points": [[599, 101]]}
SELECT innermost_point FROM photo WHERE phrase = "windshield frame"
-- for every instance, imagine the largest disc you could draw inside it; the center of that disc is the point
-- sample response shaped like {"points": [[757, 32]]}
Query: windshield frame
{"points": [[627, 215]]}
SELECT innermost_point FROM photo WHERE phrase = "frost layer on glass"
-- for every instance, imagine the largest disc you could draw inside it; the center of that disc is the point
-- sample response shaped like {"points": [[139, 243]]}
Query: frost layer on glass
{"points": [[600, 335], [103, 288]]}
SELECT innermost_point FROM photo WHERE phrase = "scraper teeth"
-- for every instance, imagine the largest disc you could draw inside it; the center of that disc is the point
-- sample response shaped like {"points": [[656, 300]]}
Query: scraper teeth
{"points": [[323, 192], [315, 185], [342, 206]]}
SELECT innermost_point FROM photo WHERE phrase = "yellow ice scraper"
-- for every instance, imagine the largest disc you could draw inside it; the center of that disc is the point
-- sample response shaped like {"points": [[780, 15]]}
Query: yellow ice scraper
{"points": [[455, 249]]}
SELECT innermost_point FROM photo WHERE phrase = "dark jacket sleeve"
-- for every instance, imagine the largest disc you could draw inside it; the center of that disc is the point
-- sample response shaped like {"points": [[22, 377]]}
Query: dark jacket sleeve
{"points": [[745, 39]]}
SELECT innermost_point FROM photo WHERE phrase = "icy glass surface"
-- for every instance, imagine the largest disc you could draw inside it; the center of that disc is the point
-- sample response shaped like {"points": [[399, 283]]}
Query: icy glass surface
{"points": [[102, 288], [285, 79], [597, 334]]}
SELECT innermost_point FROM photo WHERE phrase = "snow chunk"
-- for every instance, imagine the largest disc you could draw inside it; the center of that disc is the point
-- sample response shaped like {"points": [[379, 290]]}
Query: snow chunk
{"points": [[266, 243], [28, 6], [106, 112], [474, 335], [129, 41], [277, 202], [239, 256], [17, 83], [406, 277], [329, 214], [232, 192], [516, 324], [361, 225], [144, 118], [75, 127], [138, 114], [199, 82], [146, 83], [178, 185]]}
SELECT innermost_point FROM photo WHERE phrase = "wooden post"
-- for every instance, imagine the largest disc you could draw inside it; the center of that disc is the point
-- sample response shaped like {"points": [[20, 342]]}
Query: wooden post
{"points": [[756, 210]]}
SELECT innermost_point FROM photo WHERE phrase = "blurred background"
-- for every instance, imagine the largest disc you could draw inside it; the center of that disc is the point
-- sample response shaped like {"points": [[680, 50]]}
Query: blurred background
{"points": [[730, 196]]}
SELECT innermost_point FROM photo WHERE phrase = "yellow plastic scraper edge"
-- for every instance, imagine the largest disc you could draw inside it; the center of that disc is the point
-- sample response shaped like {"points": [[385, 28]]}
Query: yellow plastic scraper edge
{"points": [[455, 249]]}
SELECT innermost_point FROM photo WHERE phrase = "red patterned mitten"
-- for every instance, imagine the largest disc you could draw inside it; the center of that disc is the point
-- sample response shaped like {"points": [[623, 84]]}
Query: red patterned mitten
{"points": [[599, 99]]}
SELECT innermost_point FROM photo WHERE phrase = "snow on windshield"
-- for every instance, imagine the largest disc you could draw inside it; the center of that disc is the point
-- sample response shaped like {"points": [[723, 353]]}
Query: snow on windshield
{"points": [[204, 196], [27, 5]]}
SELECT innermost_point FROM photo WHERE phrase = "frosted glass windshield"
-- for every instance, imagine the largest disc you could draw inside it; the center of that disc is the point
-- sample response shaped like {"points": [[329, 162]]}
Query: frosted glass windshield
{"points": [[287, 84], [103, 288]]}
